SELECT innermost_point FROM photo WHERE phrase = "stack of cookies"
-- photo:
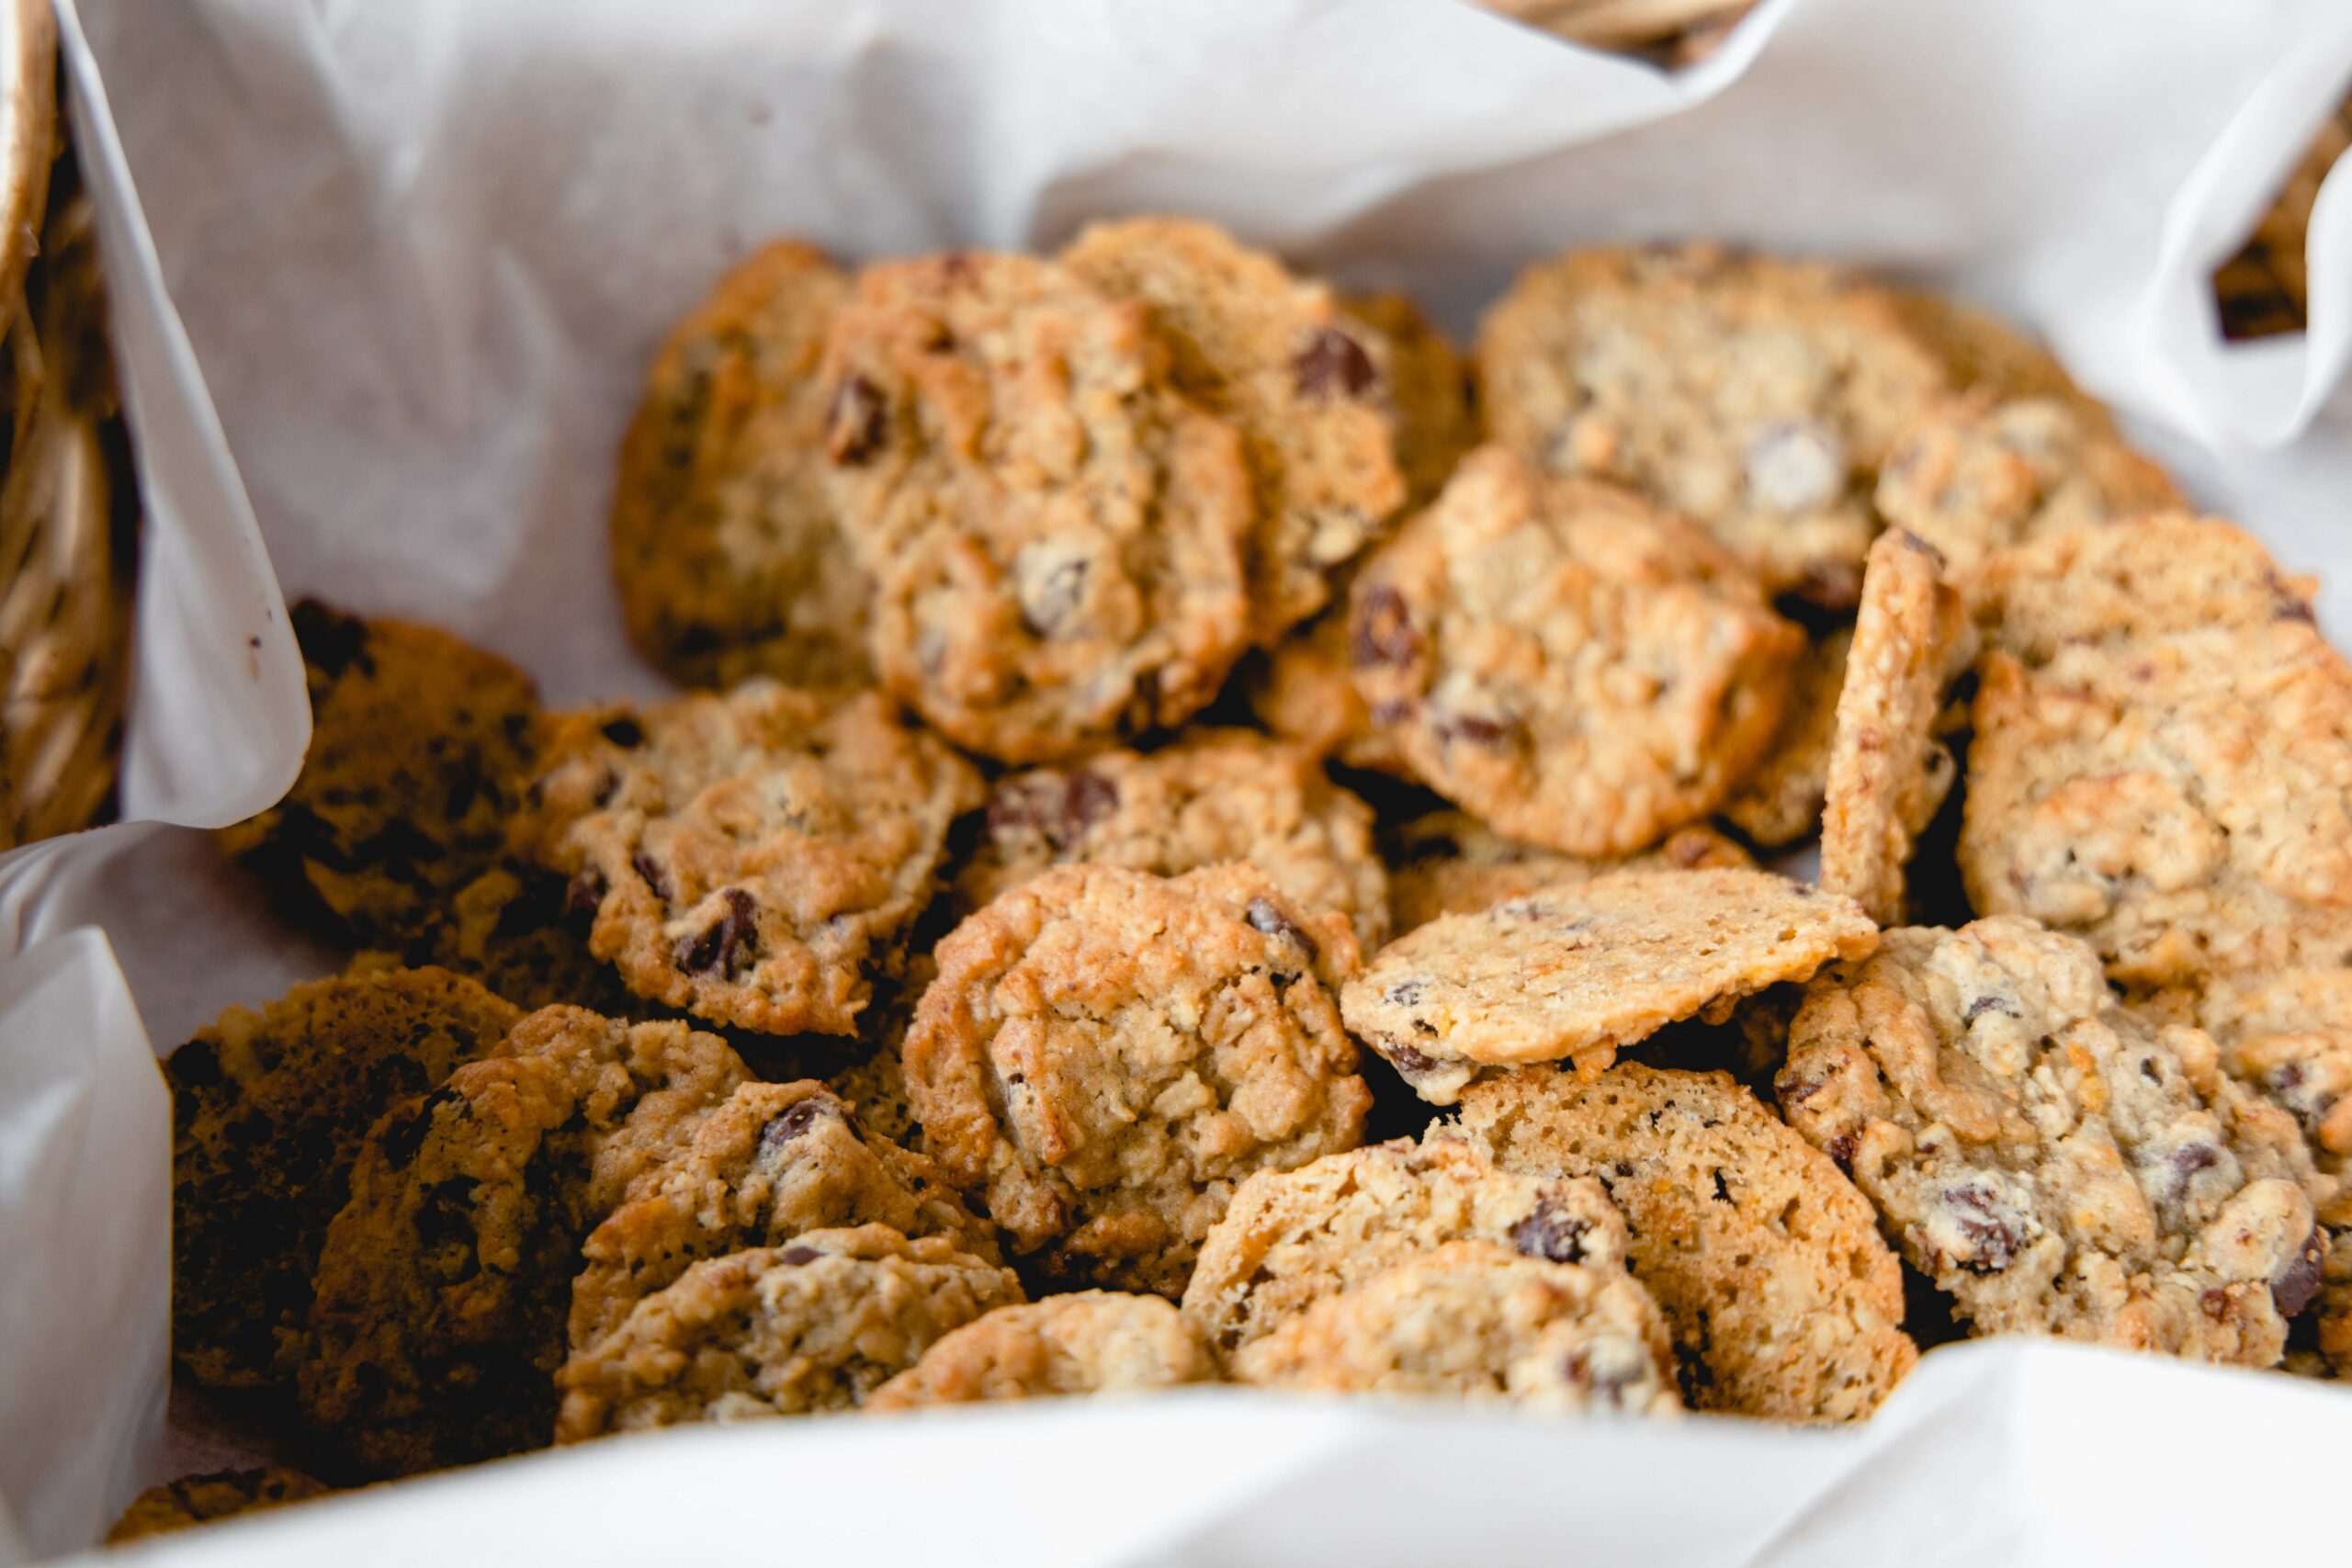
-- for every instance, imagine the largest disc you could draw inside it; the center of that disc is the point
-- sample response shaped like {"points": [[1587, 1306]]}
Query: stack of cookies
{"points": [[1200, 848]]}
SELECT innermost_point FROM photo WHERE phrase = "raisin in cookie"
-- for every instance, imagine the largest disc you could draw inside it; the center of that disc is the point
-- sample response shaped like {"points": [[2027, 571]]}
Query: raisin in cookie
{"points": [[724, 545], [1888, 772], [1086, 1342], [1054, 532], [756, 858], [418, 743], [817, 1325], [1570, 973], [1470, 1320], [1782, 1300], [1582, 672], [1755, 397], [773, 1161], [269, 1111], [2057, 1164], [1106, 1055], [439, 1318], [1449, 862], [1312, 389], [1293, 1237], [195, 1500], [1782, 800], [1211, 796]]}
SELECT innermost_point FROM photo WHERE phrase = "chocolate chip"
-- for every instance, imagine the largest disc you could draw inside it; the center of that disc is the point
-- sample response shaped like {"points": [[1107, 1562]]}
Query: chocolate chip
{"points": [[855, 421], [625, 732], [727, 945], [1381, 630], [584, 897], [794, 1257], [2297, 1284], [1987, 1232], [1332, 363], [1551, 1232], [1058, 807], [1406, 993], [1262, 914], [794, 1120], [330, 640], [647, 868], [1477, 728]]}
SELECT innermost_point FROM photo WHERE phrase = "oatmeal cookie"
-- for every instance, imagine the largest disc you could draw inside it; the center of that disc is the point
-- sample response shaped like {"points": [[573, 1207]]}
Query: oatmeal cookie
{"points": [[1302, 691], [728, 561], [1106, 1055], [1086, 1342], [1470, 1320], [269, 1111], [773, 1161], [1291, 1238], [1313, 389], [1449, 862], [517, 930], [1054, 532], [1582, 672], [756, 858], [418, 743], [1570, 973], [1782, 800], [818, 1325], [1755, 397], [1888, 772], [1436, 416], [1213, 796], [2056, 1162], [195, 1500], [1984, 355], [440, 1319], [1782, 1300]]}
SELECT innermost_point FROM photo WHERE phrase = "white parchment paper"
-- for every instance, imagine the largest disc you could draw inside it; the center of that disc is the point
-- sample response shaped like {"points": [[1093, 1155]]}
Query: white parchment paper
{"points": [[423, 252]]}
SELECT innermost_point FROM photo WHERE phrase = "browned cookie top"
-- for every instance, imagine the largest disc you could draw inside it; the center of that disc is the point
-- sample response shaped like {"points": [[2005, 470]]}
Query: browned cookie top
{"points": [[1449, 862], [1084, 1342]]}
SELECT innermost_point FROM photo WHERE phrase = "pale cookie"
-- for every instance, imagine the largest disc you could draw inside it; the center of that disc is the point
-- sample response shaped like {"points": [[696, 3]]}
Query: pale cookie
{"points": [[773, 1161], [269, 1108], [417, 744], [2055, 1164], [1293, 1237], [1437, 417], [1302, 690], [1571, 973], [817, 1325], [757, 858], [1213, 796], [1087, 1342], [442, 1288], [195, 1500], [1755, 397], [1449, 862], [1106, 1055], [1888, 772], [1054, 532], [1476, 1322], [1782, 800], [1977, 477], [1584, 673], [1782, 1300], [724, 545], [1313, 389]]}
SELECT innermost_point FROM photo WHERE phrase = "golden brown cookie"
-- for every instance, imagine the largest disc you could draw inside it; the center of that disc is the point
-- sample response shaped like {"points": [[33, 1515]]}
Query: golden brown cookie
{"points": [[1085, 1342], [1449, 862], [1782, 800], [1436, 416], [1301, 691]]}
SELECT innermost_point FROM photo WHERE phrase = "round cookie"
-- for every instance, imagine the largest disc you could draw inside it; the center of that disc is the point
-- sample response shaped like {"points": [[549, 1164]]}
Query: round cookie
{"points": [[195, 1500], [1086, 1342], [1302, 690], [2055, 1164], [1782, 1300], [269, 1111], [1054, 532], [1106, 1055], [438, 1323], [418, 743], [1437, 415], [819, 1325], [772, 1161], [1571, 973], [1754, 396], [1473, 1321], [1312, 389], [756, 858], [1780, 802], [724, 545], [1976, 477], [1449, 862], [1582, 672], [1214, 796], [1292, 1238]]}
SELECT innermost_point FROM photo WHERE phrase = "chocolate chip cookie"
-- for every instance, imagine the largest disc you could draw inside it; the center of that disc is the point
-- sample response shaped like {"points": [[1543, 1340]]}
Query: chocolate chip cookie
{"points": [[818, 1325], [1106, 1055], [1584, 673], [1570, 973], [1054, 531], [1449, 862], [1085, 1342], [195, 1500], [1213, 796], [1755, 397], [1429, 385], [1782, 1300], [757, 858]]}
